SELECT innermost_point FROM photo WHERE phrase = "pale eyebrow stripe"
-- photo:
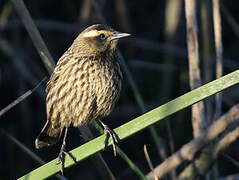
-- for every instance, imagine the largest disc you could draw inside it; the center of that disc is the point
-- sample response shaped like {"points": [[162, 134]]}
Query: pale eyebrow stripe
{"points": [[93, 33]]}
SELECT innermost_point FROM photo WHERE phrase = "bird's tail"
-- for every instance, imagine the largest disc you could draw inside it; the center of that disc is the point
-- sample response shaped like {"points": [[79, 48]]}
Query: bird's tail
{"points": [[48, 136]]}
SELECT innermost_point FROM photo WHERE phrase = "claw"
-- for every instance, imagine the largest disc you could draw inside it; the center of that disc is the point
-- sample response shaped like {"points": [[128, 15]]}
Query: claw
{"points": [[110, 133], [63, 153], [61, 158]]}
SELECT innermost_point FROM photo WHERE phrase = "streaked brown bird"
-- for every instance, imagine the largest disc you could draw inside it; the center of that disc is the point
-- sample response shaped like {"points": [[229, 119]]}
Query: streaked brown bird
{"points": [[84, 86]]}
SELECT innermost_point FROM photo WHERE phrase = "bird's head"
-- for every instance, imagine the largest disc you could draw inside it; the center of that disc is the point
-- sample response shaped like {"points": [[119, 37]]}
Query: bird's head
{"points": [[100, 38]]}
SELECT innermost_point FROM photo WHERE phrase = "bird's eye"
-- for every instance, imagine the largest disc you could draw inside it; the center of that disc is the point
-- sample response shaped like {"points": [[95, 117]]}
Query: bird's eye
{"points": [[102, 36]]}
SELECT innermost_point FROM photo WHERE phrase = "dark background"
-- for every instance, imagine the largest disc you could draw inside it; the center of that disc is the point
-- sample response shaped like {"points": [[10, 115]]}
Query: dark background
{"points": [[157, 60]]}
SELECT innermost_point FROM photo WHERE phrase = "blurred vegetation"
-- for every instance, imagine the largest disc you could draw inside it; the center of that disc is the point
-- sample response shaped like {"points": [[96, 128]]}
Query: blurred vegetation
{"points": [[156, 55]]}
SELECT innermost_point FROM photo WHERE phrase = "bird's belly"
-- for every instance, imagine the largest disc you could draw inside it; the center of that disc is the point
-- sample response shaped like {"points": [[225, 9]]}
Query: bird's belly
{"points": [[107, 93], [96, 91]]}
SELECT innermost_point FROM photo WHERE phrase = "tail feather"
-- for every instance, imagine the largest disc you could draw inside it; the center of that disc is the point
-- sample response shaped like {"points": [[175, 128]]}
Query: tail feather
{"points": [[48, 136]]}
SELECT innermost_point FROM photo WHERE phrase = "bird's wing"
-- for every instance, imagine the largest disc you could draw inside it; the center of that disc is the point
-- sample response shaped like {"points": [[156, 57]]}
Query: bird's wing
{"points": [[54, 77], [58, 71]]}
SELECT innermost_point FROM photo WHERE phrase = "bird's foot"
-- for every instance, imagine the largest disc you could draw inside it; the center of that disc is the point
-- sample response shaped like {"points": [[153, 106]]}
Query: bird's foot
{"points": [[110, 133], [61, 158]]}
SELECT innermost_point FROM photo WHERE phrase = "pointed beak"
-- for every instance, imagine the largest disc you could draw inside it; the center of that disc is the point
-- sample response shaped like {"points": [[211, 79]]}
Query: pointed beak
{"points": [[118, 35]]}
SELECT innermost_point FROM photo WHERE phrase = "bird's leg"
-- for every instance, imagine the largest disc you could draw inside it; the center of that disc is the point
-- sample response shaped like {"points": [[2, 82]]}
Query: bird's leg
{"points": [[63, 152], [110, 133]]}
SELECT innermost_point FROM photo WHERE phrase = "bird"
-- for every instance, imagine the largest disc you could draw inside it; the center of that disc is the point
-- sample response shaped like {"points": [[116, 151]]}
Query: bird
{"points": [[84, 86]]}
